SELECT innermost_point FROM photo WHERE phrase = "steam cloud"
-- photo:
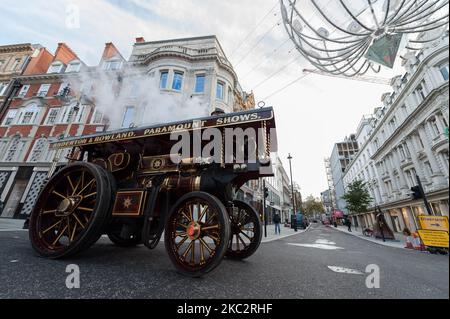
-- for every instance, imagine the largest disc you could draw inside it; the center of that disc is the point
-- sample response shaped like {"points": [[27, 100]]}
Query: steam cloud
{"points": [[113, 91]]}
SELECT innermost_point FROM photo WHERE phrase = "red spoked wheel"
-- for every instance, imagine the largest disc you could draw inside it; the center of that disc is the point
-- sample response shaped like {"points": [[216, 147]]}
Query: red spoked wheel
{"points": [[246, 233], [197, 233], [71, 211]]}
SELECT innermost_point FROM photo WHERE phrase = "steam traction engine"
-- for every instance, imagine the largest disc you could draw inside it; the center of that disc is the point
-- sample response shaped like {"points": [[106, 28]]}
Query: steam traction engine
{"points": [[126, 185]]}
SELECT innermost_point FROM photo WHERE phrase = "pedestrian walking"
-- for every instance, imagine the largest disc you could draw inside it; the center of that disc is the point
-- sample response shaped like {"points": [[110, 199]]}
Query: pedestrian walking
{"points": [[277, 221], [349, 224]]}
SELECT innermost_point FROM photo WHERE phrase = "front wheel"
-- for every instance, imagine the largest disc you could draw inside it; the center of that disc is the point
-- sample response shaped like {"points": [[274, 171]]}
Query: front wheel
{"points": [[71, 211], [197, 233], [246, 231]]}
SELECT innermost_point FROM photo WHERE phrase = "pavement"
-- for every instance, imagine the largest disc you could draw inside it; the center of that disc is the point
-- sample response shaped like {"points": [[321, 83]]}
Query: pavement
{"points": [[398, 243], [284, 233], [318, 263], [7, 224]]}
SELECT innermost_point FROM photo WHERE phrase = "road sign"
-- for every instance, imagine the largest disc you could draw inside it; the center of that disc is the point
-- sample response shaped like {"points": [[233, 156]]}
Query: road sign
{"points": [[434, 222], [434, 238]]}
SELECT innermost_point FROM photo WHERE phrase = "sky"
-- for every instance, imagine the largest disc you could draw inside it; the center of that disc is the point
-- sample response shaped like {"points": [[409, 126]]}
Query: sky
{"points": [[311, 115]]}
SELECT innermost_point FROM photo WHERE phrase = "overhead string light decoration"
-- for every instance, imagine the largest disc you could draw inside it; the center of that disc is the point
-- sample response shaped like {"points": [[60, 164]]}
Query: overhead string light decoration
{"points": [[354, 36]]}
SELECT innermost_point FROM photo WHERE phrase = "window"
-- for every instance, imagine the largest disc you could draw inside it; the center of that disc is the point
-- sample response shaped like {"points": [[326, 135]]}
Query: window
{"points": [[420, 141], [402, 152], [393, 124], [27, 117], [444, 71], [112, 65], [98, 117], [230, 96], [435, 127], [39, 150], [404, 110], [163, 79], [80, 114], [408, 153], [2, 63], [177, 83], [3, 87], [420, 93], [69, 113], [409, 178], [444, 159], [15, 149], [10, 117], [128, 117], [219, 90], [28, 114], [16, 64], [24, 90], [55, 67], [62, 89], [43, 90], [200, 83], [52, 114], [428, 168], [376, 144], [73, 66]]}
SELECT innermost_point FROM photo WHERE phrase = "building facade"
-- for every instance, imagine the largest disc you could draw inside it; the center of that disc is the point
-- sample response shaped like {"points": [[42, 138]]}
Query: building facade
{"points": [[42, 109], [405, 138], [58, 95], [13, 61], [341, 156], [325, 197], [192, 72]]}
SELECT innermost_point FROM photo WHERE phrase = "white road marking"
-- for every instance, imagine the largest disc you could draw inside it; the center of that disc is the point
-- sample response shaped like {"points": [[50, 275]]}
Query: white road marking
{"points": [[345, 270], [319, 246], [17, 229], [14, 261], [325, 242]]}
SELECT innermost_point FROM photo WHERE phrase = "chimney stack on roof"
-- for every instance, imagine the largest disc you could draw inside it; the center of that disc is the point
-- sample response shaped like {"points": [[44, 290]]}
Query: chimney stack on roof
{"points": [[140, 40]]}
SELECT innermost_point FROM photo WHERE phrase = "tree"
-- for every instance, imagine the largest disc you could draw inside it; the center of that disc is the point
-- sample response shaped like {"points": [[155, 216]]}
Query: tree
{"points": [[313, 205], [357, 197]]}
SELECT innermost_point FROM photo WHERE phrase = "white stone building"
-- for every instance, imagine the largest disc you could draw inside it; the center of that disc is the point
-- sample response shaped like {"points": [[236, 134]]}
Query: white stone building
{"points": [[405, 137], [191, 72]]}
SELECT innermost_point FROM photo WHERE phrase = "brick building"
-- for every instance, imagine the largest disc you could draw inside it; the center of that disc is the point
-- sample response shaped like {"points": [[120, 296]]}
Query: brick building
{"points": [[47, 104]]}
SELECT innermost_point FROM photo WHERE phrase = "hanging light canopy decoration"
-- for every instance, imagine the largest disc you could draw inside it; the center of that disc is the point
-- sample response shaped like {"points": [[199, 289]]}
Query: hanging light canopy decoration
{"points": [[351, 37]]}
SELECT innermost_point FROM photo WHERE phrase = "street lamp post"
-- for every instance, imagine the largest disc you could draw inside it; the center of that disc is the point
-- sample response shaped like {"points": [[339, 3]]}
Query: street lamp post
{"points": [[292, 184]]}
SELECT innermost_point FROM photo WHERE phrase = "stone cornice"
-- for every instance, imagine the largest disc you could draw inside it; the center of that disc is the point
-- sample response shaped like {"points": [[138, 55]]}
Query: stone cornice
{"points": [[16, 48]]}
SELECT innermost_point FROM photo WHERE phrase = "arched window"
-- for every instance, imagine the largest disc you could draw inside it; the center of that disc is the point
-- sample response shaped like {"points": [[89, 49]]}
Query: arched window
{"points": [[14, 150], [39, 152]]}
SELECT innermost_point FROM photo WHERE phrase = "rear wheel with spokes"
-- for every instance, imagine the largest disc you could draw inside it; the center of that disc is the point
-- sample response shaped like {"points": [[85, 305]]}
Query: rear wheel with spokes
{"points": [[197, 233], [71, 211], [246, 233]]}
